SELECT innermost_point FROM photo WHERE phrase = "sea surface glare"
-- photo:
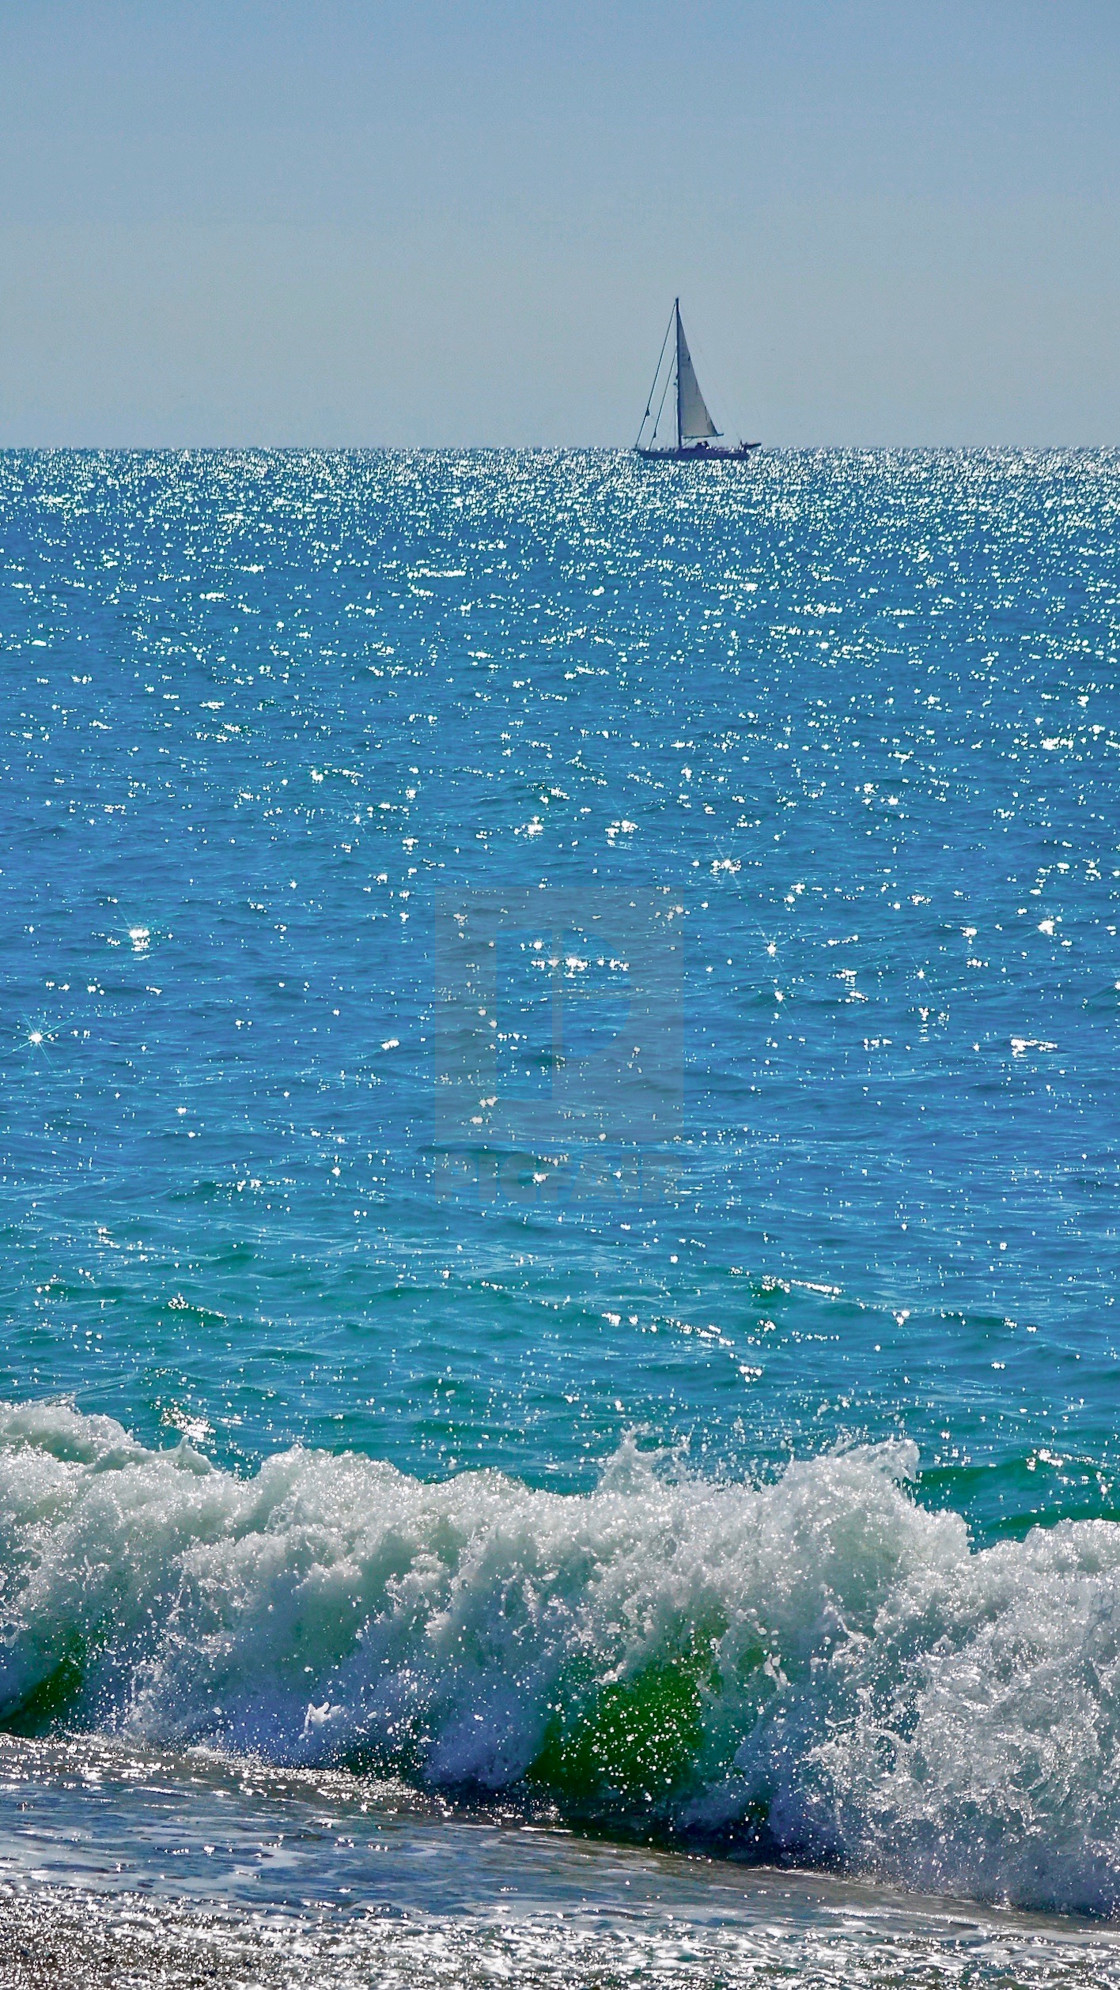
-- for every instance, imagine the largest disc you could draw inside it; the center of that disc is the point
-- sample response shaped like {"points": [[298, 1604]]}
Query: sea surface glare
{"points": [[559, 1213]]}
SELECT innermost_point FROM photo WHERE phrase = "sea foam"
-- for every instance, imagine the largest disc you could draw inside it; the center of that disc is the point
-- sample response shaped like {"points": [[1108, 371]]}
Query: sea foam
{"points": [[816, 1667]]}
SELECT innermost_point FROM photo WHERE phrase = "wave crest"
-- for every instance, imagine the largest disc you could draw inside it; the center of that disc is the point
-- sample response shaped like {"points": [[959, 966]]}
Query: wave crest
{"points": [[816, 1668]]}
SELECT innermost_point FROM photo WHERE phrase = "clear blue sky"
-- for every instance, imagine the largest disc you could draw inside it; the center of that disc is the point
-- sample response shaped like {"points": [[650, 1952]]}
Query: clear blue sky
{"points": [[418, 221]]}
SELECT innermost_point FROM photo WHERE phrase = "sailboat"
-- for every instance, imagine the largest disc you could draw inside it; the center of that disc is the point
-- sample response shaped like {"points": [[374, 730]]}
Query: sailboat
{"points": [[696, 432]]}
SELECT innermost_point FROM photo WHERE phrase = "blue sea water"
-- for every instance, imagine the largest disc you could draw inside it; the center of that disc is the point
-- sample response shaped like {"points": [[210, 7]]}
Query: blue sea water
{"points": [[749, 1480]]}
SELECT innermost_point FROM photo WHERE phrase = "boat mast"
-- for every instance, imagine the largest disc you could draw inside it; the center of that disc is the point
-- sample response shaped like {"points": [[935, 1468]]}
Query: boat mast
{"points": [[677, 313]]}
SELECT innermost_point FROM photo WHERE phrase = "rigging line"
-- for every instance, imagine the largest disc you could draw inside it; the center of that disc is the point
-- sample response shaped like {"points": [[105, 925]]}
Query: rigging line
{"points": [[661, 403], [653, 385]]}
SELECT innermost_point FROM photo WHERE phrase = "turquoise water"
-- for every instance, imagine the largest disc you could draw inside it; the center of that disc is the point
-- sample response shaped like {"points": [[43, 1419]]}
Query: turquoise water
{"points": [[681, 1474]]}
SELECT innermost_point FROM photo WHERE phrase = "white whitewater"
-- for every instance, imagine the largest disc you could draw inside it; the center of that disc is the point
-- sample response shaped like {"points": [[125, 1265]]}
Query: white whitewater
{"points": [[819, 1662]]}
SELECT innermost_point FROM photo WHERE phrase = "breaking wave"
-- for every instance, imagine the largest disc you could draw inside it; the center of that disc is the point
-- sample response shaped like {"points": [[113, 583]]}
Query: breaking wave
{"points": [[816, 1668]]}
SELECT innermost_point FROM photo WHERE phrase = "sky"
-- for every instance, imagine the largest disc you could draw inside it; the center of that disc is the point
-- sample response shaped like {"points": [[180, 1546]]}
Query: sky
{"points": [[434, 223]]}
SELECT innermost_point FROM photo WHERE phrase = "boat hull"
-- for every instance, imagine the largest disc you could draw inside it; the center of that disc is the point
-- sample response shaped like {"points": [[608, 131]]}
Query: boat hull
{"points": [[698, 455]]}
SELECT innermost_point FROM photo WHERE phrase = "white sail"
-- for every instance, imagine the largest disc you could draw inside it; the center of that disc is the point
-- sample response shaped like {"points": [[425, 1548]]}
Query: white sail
{"points": [[695, 421]]}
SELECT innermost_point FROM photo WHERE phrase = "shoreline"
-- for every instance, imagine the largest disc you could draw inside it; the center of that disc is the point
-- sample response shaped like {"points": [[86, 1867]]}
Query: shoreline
{"points": [[60, 1937], [132, 1869]]}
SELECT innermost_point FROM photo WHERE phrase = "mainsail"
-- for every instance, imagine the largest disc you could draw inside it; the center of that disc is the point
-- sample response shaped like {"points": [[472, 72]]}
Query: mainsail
{"points": [[693, 420]]}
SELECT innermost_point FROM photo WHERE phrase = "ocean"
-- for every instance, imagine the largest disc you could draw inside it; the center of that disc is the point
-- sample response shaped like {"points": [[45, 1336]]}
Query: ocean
{"points": [[559, 1218]]}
